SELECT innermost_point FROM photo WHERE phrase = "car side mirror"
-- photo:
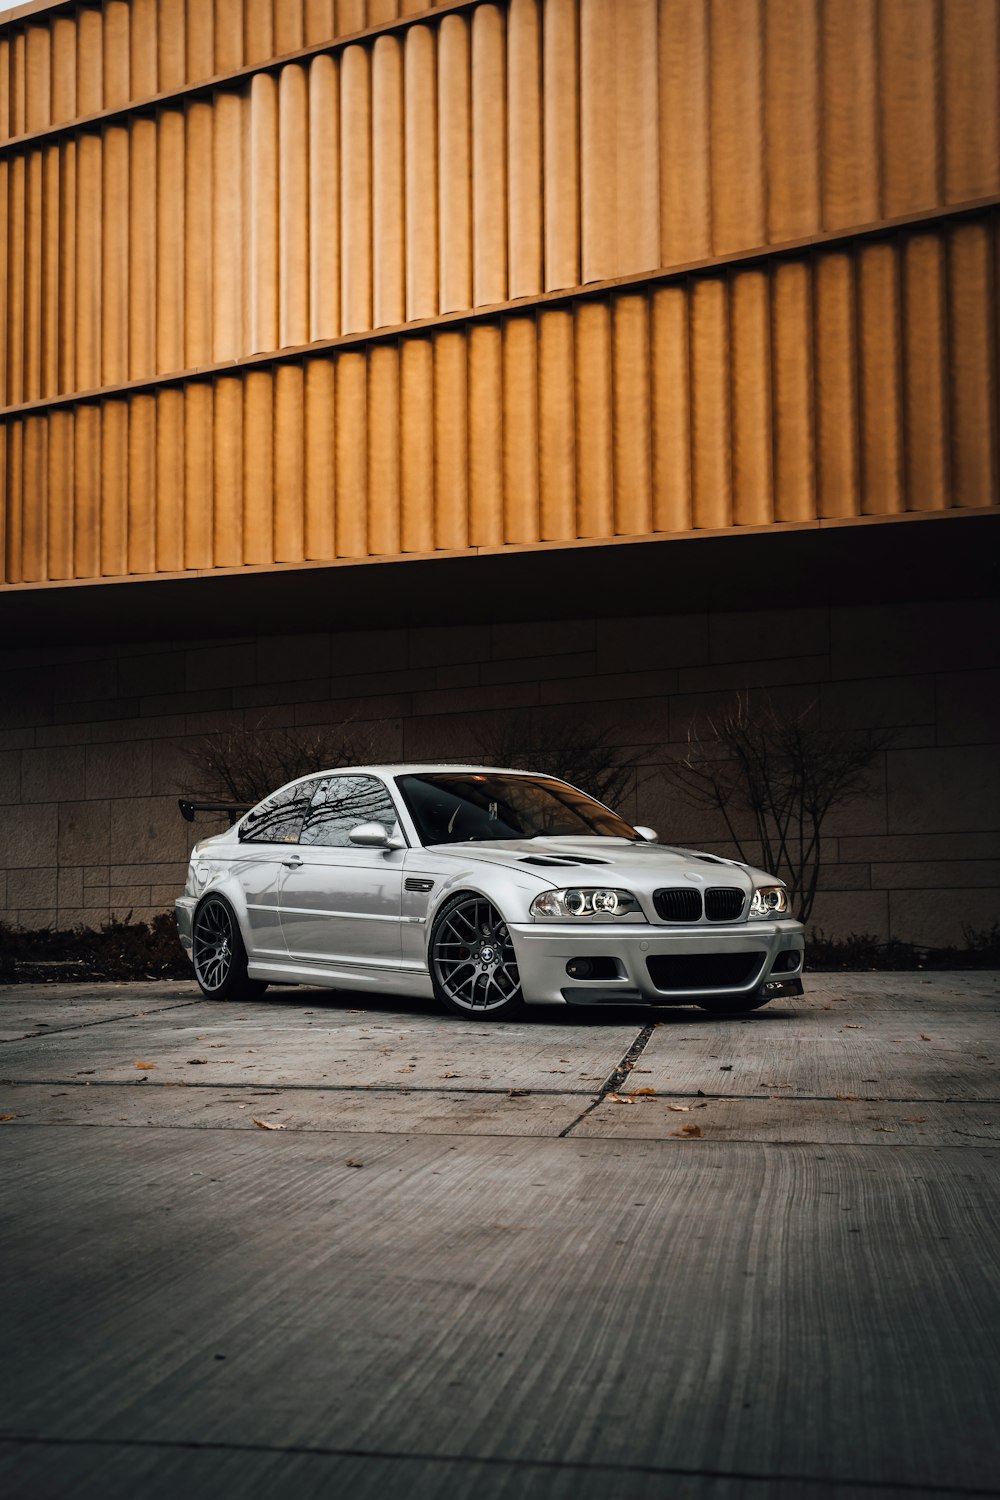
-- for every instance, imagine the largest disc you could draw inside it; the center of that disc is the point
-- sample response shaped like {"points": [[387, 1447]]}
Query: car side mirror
{"points": [[370, 836], [648, 835]]}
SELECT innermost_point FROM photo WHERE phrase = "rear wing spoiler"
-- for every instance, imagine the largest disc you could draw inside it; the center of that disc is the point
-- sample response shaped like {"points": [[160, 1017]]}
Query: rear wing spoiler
{"points": [[233, 810]]}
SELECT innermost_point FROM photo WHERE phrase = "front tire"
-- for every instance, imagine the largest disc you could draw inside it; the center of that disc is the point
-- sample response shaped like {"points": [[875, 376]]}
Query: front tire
{"points": [[219, 954], [472, 961]]}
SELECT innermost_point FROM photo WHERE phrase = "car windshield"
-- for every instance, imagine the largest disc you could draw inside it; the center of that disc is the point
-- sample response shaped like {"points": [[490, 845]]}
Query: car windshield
{"points": [[452, 807]]}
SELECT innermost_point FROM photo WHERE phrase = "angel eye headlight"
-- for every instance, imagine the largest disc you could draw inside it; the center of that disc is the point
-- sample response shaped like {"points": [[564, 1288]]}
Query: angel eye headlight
{"points": [[577, 902], [769, 901]]}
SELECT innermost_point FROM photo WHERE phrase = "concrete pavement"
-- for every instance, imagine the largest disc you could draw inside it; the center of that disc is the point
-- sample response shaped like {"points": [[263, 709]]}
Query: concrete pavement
{"points": [[324, 1241]]}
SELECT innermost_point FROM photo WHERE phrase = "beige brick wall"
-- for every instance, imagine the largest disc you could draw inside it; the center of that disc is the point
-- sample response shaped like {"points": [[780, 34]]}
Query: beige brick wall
{"points": [[91, 740]]}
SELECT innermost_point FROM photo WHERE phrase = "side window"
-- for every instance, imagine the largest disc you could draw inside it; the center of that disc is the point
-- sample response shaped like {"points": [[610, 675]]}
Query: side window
{"points": [[279, 818], [340, 804]]}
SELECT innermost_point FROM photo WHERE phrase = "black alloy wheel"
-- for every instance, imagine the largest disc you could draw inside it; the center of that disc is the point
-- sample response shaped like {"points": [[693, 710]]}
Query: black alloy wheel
{"points": [[472, 961], [219, 955]]}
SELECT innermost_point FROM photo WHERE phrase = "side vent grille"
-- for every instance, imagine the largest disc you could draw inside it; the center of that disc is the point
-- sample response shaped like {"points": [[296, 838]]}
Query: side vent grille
{"points": [[682, 904]]}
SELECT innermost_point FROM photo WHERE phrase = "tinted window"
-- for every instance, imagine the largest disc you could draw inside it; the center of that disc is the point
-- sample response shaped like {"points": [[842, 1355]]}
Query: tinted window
{"points": [[279, 818], [340, 804], [452, 807]]}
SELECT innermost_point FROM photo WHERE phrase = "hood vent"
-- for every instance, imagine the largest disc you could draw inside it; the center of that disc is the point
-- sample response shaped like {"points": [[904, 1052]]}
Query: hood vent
{"points": [[710, 859], [562, 861]]}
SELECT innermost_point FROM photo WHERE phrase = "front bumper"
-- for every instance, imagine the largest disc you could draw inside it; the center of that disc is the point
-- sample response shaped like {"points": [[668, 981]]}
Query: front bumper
{"points": [[714, 962]]}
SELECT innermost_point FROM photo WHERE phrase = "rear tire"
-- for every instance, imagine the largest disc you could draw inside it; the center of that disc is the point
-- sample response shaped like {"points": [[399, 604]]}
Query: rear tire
{"points": [[219, 954]]}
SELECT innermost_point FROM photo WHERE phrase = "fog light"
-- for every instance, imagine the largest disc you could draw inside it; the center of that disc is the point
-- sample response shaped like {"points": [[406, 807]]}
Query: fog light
{"points": [[579, 968]]}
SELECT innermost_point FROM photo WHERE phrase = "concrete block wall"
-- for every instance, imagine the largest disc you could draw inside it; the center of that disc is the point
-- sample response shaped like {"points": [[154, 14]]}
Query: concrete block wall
{"points": [[92, 740]]}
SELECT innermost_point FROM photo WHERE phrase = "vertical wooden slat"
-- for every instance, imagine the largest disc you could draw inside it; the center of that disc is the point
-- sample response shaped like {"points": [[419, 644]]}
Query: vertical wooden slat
{"points": [[420, 93], [114, 488], [524, 148], [351, 455], [199, 522], [791, 104], [636, 130], [792, 362], [117, 62], [381, 10], [324, 199], [142, 248], [489, 157], [520, 430], [67, 264], [416, 423], [355, 191], [88, 261], [633, 475], [142, 482], [18, 82], [35, 505], [908, 65], [115, 257], [671, 409], [451, 440], [293, 216], [556, 424], [685, 170], [319, 21], [595, 471], [710, 420], [228, 35], [5, 132], [38, 66], [227, 227], [13, 330], [263, 213], [171, 44], [879, 379], [454, 163], [227, 471], [50, 268], [750, 333], [925, 372], [851, 172], [61, 487], [33, 247], [199, 39], [388, 228], [973, 365], [169, 480], [561, 127], [63, 67], [836, 386], [485, 435], [288, 32], [737, 146], [971, 99], [383, 449], [320, 473], [170, 241], [12, 507], [143, 71], [289, 458], [87, 490], [89, 61], [258, 467], [351, 16], [598, 154], [258, 30]]}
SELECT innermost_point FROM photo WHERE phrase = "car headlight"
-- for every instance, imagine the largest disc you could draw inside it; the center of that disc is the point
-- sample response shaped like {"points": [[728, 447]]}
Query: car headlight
{"points": [[588, 902], [769, 901]]}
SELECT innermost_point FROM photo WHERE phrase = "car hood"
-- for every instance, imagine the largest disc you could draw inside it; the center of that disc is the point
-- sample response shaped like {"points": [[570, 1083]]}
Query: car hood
{"points": [[603, 861]]}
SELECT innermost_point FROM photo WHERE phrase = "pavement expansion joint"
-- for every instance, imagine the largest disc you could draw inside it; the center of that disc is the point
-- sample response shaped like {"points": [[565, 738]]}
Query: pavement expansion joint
{"points": [[615, 1079], [132, 1015]]}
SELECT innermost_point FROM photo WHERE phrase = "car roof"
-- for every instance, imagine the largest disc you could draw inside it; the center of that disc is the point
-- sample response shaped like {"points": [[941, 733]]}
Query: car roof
{"points": [[417, 768]]}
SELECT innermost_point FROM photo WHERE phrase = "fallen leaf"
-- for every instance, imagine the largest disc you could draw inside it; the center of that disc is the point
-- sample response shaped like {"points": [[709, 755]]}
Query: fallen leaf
{"points": [[853, 1098], [517, 1093], [8, 1117], [644, 1093], [924, 1038], [689, 1130], [620, 1099], [914, 1119], [194, 1062], [853, 1026], [350, 1012], [726, 1068], [680, 1109], [886, 1129], [449, 1075], [263, 1125], [350, 1162], [555, 1070], [146, 1065]]}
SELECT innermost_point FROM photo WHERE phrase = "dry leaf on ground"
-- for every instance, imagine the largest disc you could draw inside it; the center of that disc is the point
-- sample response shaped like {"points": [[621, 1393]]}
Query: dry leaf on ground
{"points": [[681, 1109], [263, 1125], [924, 1037], [688, 1131], [8, 1117], [518, 1093], [194, 1062], [853, 1026], [848, 1098], [146, 1065], [620, 1099], [644, 1093], [449, 1075], [350, 1162]]}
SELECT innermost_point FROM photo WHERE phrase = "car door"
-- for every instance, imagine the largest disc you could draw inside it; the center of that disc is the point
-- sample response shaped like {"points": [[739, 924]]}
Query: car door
{"points": [[268, 839], [340, 902]]}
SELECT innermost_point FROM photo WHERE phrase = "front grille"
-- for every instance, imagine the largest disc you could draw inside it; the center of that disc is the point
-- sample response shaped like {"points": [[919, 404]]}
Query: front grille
{"points": [[723, 903], [704, 971], [680, 905]]}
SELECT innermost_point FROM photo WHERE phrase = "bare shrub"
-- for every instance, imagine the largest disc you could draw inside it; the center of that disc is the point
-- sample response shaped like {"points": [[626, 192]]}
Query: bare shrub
{"points": [[245, 765], [781, 773], [572, 750]]}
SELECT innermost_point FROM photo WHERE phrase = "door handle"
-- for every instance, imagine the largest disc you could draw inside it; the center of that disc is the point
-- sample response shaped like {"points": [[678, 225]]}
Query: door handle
{"points": [[294, 862]]}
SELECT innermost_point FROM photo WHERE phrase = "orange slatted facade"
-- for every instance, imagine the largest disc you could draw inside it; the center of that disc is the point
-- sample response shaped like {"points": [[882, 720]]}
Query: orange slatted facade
{"points": [[290, 281]]}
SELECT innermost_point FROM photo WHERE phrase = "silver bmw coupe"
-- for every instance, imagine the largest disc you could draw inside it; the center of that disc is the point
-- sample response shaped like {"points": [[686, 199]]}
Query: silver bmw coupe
{"points": [[486, 888]]}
